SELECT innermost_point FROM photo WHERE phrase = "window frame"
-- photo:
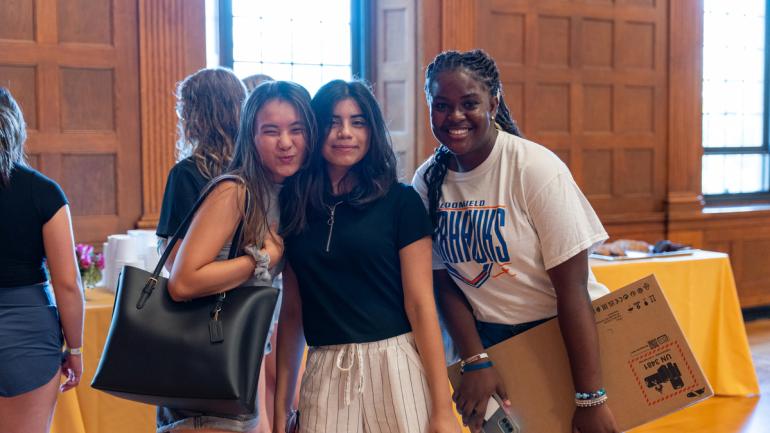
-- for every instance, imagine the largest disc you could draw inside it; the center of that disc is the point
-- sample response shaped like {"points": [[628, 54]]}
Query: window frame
{"points": [[764, 149], [361, 41]]}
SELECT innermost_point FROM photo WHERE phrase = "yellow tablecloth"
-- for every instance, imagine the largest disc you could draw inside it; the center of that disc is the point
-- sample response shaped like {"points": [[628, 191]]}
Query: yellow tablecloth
{"points": [[702, 294], [85, 410]]}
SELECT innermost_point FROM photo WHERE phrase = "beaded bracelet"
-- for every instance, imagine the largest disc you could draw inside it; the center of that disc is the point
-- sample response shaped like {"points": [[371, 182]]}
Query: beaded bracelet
{"points": [[590, 399], [591, 402], [590, 395], [473, 367]]}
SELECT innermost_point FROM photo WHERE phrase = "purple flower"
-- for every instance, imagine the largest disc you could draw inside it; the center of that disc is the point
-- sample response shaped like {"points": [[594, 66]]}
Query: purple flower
{"points": [[85, 262], [100, 261]]}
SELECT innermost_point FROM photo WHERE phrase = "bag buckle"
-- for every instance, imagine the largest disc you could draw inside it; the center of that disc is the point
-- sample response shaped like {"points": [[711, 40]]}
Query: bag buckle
{"points": [[146, 292], [216, 330]]}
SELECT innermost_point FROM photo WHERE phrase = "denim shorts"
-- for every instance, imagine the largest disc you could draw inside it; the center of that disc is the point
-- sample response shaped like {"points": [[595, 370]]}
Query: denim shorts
{"points": [[168, 419], [30, 338]]}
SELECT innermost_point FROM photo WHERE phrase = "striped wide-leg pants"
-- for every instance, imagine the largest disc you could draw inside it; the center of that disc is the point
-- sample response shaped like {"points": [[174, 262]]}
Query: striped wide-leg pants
{"points": [[376, 387]]}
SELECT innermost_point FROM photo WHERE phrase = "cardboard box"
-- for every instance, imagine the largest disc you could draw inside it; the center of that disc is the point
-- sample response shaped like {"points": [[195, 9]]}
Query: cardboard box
{"points": [[647, 365]]}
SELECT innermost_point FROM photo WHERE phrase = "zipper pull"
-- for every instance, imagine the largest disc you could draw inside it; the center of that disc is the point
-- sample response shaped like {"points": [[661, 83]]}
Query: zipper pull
{"points": [[330, 222]]}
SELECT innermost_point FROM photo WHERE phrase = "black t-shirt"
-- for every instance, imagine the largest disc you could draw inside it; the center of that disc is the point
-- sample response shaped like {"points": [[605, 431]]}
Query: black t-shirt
{"points": [[183, 187], [26, 205], [352, 293]]}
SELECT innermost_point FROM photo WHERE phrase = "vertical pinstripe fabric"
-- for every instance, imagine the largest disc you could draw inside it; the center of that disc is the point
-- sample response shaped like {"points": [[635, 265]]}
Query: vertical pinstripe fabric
{"points": [[393, 397]]}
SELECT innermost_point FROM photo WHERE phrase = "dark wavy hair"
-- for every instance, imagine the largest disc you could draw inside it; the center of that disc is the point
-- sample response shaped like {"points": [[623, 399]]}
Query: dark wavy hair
{"points": [[13, 134], [247, 163], [481, 66], [209, 106], [371, 177]]}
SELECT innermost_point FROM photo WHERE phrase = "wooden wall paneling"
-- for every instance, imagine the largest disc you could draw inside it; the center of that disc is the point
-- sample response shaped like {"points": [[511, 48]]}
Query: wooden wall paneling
{"points": [[396, 81], [21, 80], [87, 84], [685, 72], [594, 86], [458, 24], [92, 198], [443, 25], [85, 21], [651, 232], [75, 75], [17, 22], [429, 39], [172, 46]]}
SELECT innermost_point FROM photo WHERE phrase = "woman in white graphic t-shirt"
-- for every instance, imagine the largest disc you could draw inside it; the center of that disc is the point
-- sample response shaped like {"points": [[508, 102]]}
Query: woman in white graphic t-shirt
{"points": [[511, 240]]}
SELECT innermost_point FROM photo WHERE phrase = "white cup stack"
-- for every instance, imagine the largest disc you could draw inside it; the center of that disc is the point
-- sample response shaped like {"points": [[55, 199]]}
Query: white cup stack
{"points": [[106, 258], [122, 250], [148, 249]]}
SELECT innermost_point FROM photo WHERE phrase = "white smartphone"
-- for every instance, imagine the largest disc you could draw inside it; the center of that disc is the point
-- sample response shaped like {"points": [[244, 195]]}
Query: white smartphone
{"points": [[496, 420]]}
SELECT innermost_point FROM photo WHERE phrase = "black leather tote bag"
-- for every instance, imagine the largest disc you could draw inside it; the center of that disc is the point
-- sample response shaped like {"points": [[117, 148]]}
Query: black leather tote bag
{"points": [[203, 355]]}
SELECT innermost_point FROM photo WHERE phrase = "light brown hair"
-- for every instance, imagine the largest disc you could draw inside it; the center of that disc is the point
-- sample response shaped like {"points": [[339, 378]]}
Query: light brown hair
{"points": [[209, 108]]}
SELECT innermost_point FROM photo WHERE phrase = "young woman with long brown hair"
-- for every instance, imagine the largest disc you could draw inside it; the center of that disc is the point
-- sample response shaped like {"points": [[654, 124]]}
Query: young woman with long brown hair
{"points": [[277, 130]]}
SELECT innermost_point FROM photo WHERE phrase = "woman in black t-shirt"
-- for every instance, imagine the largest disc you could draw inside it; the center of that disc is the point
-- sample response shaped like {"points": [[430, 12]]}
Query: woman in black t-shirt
{"points": [[209, 108], [36, 231], [358, 285]]}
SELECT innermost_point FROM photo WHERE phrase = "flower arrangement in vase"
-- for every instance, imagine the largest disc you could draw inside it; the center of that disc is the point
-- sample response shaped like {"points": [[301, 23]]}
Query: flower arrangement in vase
{"points": [[90, 265]]}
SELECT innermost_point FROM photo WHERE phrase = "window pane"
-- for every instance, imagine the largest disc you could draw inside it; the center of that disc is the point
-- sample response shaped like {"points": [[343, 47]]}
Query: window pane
{"points": [[336, 44], [733, 73], [310, 76], [306, 46], [307, 41], [247, 29], [244, 69], [277, 36], [730, 174], [277, 71], [336, 73], [733, 96]]}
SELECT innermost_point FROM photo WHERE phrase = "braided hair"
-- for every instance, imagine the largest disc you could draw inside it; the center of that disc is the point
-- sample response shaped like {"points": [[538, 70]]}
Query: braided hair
{"points": [[483, 69]]}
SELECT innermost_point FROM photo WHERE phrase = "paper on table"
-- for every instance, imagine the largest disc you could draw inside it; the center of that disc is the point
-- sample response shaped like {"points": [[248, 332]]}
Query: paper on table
{"points": [[637, 255]]}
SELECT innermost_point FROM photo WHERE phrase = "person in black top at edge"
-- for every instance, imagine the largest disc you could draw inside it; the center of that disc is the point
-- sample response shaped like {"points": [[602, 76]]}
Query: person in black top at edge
{"points": [[36, 231], [209, 108], [358, 285]]}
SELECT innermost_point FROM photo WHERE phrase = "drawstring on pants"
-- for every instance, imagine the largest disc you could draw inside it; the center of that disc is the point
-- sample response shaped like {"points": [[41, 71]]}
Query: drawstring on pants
{"points": [[354, 354]]}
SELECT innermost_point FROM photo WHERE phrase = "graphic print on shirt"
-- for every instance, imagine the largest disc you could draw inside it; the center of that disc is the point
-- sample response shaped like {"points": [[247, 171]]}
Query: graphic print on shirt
{"points": [[471, 231]]}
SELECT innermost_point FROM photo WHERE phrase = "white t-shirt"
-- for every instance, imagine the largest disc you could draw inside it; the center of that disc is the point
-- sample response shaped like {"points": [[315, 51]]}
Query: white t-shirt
{"points": [[502, 224]]}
